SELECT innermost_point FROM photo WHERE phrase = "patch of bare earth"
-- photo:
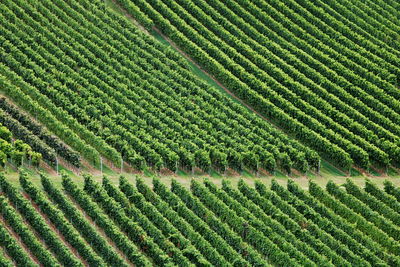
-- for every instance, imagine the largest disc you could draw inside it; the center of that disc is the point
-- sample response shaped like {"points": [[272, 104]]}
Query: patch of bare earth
{"points": [[263, 172], [167, 172], [50, 170], [296, 173], [382, 172], [197, 171], [231, 173], [69, 166]]}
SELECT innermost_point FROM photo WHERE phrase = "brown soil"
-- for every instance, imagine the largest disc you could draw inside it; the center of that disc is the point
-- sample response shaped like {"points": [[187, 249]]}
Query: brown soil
{"points": [[263, 172], [197, 171], [296, 173], [69, 166], [382, 172], [89, 167], [167, 172], [48, 168], [362, 171], [231, 173]]}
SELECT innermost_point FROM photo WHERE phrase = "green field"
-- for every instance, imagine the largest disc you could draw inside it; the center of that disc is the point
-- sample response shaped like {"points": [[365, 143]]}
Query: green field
{"points": [[195, 222], [199, 133], [167, 131]]}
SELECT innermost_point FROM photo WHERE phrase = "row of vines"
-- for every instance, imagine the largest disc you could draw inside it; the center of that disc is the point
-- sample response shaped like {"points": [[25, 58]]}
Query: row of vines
{"points": [[107, 224], [108, 90], [319, 69], [16, 151]]}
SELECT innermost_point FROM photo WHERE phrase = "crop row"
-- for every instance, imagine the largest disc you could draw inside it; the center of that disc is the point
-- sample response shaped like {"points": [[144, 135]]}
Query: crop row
{"points": [[38, 130], [15, 150], [91, 67], [205, 225], [336, 97]]}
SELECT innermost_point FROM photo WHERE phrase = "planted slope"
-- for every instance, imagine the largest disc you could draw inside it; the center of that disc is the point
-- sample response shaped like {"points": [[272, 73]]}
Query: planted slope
{"points": [[205, 225], [19, 120], [319, 69], [15, 151], [107, 89]]}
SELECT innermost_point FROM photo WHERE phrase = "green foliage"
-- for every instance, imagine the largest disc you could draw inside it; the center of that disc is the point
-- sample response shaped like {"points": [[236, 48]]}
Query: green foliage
{"points": [[3, 158], [148, 226], [102, 67], [87, 230], [327, 93], [102, 220], [356, 205], [392, 190], [38, 223], [19, 226], [57, 218], [172, 224], [386, 198], [206, 225], [13, 248], [25, 128], [5, 134], [346, 212], [18, 151], [132, 230]]}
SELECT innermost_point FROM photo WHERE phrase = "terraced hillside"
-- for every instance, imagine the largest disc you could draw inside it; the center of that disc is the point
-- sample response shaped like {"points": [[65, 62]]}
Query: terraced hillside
{"points": [[325, 71], [110, 91], [103, 224]]}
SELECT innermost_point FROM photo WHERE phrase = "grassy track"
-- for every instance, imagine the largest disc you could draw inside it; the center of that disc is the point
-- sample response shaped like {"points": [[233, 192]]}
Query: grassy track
{"points": [[327, 173]]}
